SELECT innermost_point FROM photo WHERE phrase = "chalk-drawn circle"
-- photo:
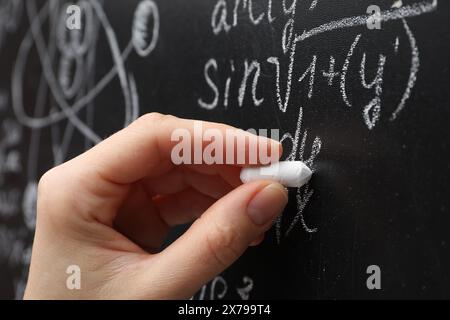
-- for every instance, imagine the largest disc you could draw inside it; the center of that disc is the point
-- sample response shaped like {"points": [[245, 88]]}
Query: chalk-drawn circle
{"points": [[34, 37], [146, 21], [75, 43]]}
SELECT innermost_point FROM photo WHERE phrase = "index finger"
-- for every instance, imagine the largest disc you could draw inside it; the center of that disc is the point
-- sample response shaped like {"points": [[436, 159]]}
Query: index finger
{"points": [[146, 147]]}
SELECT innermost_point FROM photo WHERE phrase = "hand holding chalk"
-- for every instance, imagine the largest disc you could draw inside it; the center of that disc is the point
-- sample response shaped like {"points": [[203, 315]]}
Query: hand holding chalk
{"points": [[233, 217], [294, 174]]}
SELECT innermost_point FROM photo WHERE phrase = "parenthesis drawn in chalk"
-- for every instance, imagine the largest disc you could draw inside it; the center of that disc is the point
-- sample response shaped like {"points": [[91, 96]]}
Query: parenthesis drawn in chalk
{"points": [[414, 70], [345, 70]]}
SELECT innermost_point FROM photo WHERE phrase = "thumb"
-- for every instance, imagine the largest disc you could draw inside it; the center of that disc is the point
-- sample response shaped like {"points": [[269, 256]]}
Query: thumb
{"points": [[219, 237]]}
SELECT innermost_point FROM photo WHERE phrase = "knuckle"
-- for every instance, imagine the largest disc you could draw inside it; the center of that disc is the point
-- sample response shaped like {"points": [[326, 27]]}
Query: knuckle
{"points": [[60, 203], [49, 189], [223, 243], [154, 118], [48, 181], [149, 119]]}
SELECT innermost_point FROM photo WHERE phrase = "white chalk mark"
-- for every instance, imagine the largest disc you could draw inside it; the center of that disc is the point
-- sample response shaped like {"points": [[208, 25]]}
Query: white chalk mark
{"points": [[146, 12], [41, 100], [235, 10], [331, 74], [68, 112], [29, 205], [227, 86], [283, 104], [345, 70], [47, 70], [134, 112], [397, 4], [254, 20], [288, 33], [303, 197], [409, 11], [244, 292], [270, 18], [74, 47], [312, 76], [301, 152], [415, 65], [227, 92], [371, 112], [18, 73], [396, 44], [304, 194], [313, 5], [219, 294], [219, 23], [202, 293], [256, 67], [70, 85], [294, 140], [315, 150], [211, 64], [61, 80], [291, 9], [116, 54]]}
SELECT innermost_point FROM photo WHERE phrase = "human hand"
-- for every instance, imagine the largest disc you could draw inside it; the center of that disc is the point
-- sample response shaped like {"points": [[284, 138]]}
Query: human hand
{"points": [[109, 210]]}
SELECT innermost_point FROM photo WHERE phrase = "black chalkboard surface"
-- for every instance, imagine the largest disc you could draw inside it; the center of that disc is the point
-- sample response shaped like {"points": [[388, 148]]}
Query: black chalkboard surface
{"points": [[360, 95]]}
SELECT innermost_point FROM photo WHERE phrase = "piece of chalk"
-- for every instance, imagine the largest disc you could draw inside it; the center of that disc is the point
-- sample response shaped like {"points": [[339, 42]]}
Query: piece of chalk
{"points": [[293, 174]]}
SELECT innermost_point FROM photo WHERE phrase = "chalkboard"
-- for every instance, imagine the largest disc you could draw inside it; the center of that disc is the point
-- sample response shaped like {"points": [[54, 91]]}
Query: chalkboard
{"points": [[359, 92]]}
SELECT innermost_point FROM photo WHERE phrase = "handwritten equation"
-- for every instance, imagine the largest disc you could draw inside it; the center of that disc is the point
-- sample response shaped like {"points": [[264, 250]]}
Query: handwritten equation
{"points": [[297, 72]]}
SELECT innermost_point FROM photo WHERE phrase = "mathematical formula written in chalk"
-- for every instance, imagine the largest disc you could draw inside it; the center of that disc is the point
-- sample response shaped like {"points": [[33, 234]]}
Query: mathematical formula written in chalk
{"points": [[319, 69], [233, 83]]}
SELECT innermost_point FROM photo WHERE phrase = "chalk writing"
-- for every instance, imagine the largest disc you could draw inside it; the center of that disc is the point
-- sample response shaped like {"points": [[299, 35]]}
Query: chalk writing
{"points": [[289, 74], [219, 288]]}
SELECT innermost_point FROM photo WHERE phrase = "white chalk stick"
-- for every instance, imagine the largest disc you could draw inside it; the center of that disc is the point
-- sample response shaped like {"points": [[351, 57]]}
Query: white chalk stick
{"points": [[293, 174]]}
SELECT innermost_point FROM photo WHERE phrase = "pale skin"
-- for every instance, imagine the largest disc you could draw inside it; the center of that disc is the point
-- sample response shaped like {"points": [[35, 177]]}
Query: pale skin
{"points": [[109, 210]]}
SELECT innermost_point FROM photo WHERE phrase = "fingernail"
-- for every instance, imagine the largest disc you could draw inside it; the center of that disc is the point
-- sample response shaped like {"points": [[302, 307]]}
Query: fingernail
{"points": [[268, 204]]}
